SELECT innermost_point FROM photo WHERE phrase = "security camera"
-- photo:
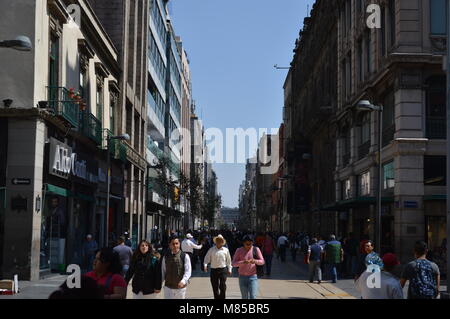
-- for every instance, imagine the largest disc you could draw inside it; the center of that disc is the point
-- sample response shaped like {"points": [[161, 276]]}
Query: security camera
{"points": [[7, 102]]}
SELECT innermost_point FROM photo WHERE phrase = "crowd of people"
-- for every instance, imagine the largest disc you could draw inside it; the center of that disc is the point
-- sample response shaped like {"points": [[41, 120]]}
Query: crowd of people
{"points": [[167, 265]]}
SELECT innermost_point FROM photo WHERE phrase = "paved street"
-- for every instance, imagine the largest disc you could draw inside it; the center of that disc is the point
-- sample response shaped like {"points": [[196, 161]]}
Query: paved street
{"points": [[288, 281]]}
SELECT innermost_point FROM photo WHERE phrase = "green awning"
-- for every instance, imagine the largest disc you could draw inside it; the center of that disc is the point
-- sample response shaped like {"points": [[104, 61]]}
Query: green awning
{"points": [[56, 190], [434, 197], [356, 202]]}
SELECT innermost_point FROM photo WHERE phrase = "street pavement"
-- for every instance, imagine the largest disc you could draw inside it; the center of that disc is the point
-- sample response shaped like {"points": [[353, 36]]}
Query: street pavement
{"points": [[289, 280]]}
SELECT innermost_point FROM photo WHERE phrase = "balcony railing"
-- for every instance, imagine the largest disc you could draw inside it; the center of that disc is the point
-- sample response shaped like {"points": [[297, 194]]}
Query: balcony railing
{"points": [[154, 149], [363, 150], [436, 128], [63, 106], [152, 103], [91, 126]]}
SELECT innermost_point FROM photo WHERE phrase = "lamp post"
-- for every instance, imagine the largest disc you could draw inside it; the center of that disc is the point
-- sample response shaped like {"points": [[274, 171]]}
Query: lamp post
{"points": [[124, 137], [21, 43], [367, 106]]}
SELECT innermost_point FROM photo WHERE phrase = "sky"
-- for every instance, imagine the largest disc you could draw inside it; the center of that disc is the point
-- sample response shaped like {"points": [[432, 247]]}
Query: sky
{"points": [[232, 47]]}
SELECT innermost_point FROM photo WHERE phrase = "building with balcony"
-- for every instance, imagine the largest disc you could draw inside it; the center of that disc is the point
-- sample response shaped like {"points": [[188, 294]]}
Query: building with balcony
{"points": [[397, 66], [64, 100]]}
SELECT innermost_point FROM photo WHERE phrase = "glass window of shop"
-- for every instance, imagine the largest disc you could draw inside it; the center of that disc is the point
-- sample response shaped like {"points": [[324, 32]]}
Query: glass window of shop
{"points": [[388, 175], [53, 232]]}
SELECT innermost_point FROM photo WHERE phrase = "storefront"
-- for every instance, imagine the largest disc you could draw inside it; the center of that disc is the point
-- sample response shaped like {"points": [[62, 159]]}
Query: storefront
{"points": [[436, 228]]}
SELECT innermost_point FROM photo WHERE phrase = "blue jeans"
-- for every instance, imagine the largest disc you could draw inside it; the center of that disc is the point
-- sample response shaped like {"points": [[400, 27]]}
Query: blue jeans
{"points": [[248, 286], [268, 263], [333, 271]]}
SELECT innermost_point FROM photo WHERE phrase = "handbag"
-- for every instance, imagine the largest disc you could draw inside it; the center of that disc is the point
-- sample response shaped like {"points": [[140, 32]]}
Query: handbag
{"points": [[259, 269]]}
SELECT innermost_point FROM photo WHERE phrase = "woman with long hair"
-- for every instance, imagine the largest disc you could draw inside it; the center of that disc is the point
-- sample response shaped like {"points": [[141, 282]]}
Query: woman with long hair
{"points": [[145, 272], [107, 274]]}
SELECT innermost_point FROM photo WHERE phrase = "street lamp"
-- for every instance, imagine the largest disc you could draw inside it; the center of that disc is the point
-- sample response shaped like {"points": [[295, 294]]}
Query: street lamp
{"points": [[365, 105], [21, 43], [123, 137]]}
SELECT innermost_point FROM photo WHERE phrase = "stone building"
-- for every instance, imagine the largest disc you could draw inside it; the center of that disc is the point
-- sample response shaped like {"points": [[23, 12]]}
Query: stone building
{"points": [[63, 98], [400, 67]]}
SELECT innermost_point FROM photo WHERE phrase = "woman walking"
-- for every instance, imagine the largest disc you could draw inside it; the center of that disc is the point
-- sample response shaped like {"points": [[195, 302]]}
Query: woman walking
{"points": [[107, 274], [145, 272], [247, 258]]}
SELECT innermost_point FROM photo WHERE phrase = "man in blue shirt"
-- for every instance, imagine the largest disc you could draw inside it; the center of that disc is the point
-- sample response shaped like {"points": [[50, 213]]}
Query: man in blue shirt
{"points": [[314, 258]]}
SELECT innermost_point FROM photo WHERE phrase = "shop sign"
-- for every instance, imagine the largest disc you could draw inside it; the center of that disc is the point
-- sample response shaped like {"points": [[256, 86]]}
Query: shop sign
{"points": [[63, 162], [410, 204]]}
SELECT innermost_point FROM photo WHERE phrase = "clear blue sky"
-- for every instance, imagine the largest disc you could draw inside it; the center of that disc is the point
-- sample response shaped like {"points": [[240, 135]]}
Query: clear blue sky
{"points": [[232, 47]]}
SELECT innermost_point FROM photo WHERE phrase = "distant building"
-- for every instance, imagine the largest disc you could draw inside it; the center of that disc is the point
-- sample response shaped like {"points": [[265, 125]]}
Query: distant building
{"points": [[230, 216]]}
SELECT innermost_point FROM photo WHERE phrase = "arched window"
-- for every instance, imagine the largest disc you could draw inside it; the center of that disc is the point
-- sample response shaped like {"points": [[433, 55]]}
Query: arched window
{"points": [[436, 108]]}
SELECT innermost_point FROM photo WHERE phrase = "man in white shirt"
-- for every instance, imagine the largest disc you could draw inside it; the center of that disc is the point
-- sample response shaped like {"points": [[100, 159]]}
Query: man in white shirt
{"points": [[375, 283], [188, 247], [282, 245], [176, 271], [220, 259]]}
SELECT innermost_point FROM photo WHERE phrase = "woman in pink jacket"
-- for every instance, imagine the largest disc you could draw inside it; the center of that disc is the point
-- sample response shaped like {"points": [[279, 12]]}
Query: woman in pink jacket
{"points": [[246, 259]]}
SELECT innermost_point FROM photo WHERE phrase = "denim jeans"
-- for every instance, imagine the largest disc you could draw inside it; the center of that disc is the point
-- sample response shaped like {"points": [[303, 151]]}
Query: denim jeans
{"points": [[248, 286], [268, 263], [333, 271]]}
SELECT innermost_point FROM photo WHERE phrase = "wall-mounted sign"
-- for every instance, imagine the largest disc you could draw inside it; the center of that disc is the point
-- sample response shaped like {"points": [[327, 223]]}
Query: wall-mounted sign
{"points": [[64, 162], [410, 204], [21, 181]]}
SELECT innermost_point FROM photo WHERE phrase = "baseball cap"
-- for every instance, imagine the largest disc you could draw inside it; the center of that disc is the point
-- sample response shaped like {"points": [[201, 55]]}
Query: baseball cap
{"points": [[189, 236]]}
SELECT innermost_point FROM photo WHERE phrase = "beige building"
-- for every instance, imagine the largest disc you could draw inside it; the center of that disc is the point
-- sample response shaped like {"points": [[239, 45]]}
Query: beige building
{"points": [[398, 66]]}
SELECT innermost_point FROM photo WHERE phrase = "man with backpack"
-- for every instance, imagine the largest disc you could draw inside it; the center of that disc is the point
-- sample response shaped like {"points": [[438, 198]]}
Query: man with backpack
{"points": [[423, 275], [175, 271]]}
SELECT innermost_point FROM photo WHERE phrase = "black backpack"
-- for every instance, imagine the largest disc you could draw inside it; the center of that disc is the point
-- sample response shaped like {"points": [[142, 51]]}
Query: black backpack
{"points": [[423, 284], [259, 269]]}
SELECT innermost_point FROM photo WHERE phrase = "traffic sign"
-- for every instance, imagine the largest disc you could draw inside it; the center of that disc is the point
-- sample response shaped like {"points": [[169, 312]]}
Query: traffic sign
{"points": [[21, 181]]}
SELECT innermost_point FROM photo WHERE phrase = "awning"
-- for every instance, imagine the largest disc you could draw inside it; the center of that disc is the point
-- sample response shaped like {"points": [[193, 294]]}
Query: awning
{"points": [[356, 202], [435, 197], [56, 190]]}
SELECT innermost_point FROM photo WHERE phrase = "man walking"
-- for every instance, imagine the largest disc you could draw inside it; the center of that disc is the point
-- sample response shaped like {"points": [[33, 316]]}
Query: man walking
{"points": [[313, 259], [334, 255], [423, 275], [220, 259], [282, 245], [267, 250], [389, 285], [90, 246], [188, 247], [125, 253], [175, 271]]}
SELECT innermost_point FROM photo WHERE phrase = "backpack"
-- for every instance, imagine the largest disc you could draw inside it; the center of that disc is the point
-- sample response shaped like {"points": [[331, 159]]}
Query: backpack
{"points": [[423, 284], [259, 269]]}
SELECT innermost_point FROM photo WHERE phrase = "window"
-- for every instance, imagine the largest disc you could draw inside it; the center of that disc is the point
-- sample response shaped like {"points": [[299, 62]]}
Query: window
{"points": [[438, 18], [99, 101], [364, 184], [53, 80], [156, 59], [388, 175], [364, 136], [346, 148], [388, 118], [436, 108], [158, 22], [435, 170], [346, 189]]}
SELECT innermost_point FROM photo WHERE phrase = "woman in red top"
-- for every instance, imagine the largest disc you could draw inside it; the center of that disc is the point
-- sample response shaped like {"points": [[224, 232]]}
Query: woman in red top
{"points": [[107, 269]]}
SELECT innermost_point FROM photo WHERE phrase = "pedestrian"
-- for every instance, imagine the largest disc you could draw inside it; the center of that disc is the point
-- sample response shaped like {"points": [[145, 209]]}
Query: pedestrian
{"points": [[188, 247], [127, 239], [372, 257], [145, 272], [220, 259], [107, 273], [422, 274], [90, 246], [334, 255], [203, 251], [176, 271], [247, 258], [352, 252], [282, 246], [125, 252], [313, 259], [388, 284], [267, 249], [294, 245]]}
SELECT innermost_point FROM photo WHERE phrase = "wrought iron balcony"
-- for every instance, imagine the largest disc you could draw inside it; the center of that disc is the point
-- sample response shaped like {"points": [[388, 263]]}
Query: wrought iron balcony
{"points": [[63, 105], [91, 126]]}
